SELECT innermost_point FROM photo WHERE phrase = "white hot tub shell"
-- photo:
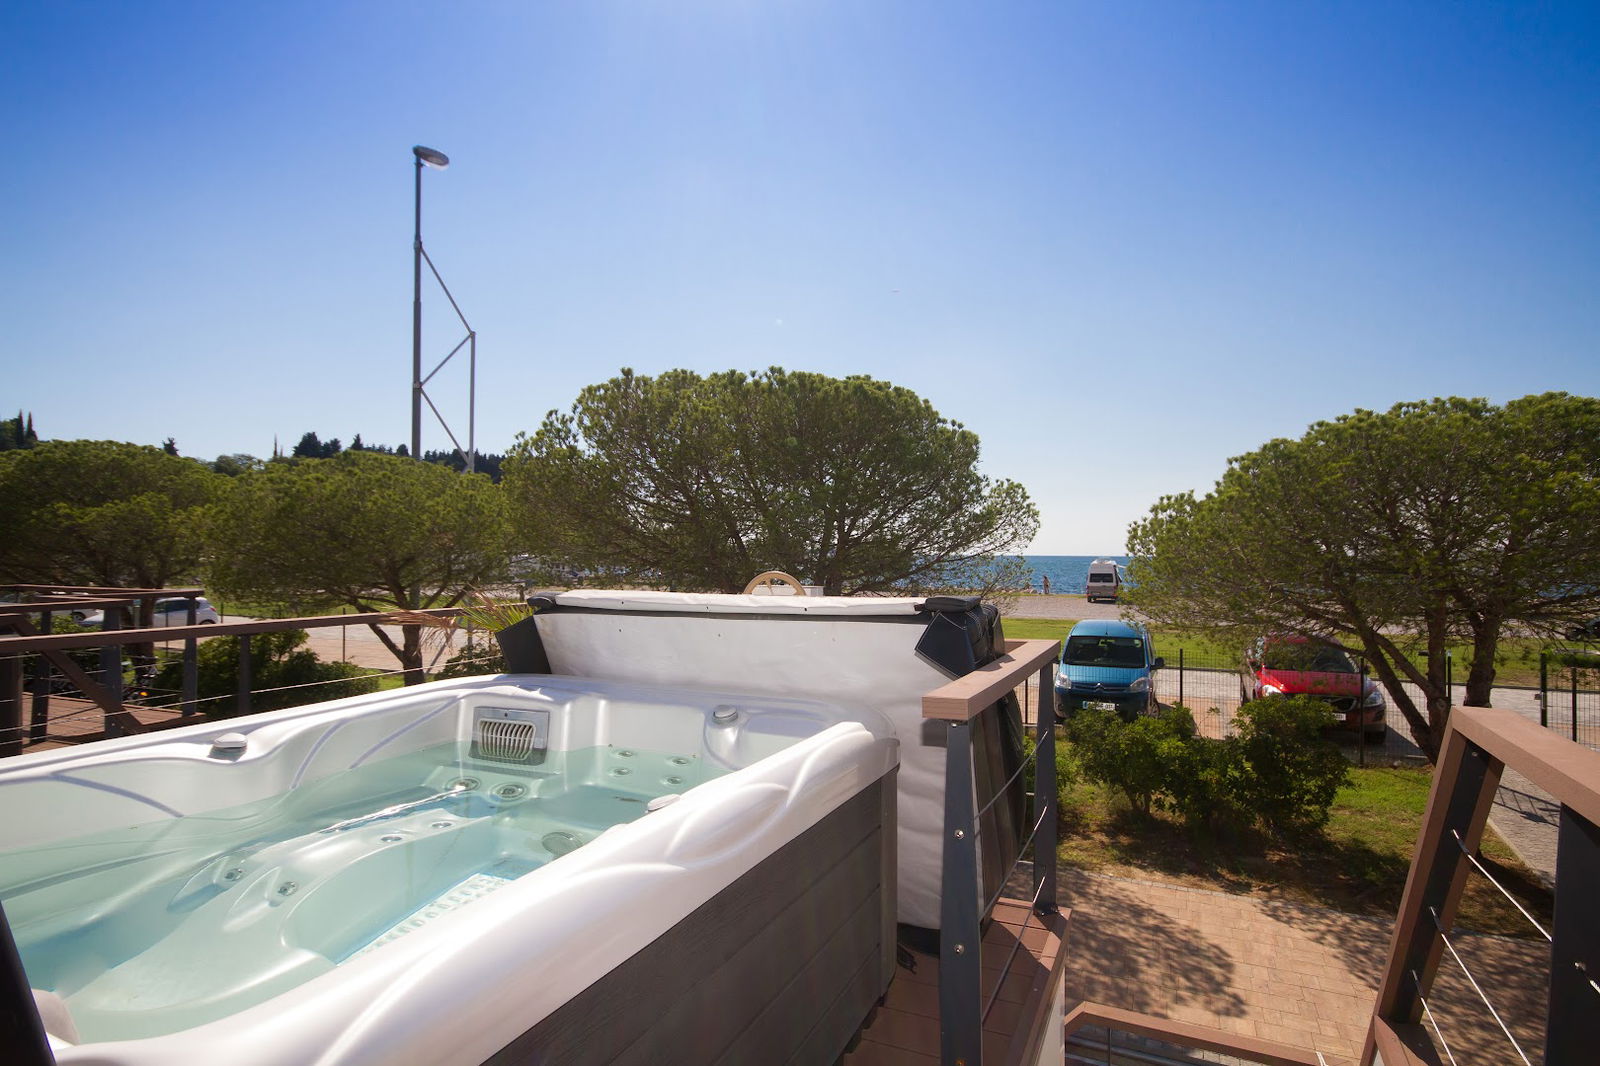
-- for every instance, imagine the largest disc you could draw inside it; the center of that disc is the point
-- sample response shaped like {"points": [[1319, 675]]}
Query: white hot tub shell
{"points": [[144, 880]]}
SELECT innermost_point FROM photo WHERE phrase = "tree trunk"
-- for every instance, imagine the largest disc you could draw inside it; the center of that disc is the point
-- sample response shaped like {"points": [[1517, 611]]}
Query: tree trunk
{"points": [[411, 654], [1399, 699], [1480, 679], [408, 651]]}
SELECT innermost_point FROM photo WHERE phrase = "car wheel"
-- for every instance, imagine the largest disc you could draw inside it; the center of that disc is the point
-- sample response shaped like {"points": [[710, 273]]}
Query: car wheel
{"points": [[208, 621], [1377, 736]]}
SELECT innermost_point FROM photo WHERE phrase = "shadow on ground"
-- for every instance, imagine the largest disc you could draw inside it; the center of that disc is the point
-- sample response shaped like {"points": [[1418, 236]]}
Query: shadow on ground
{"points": [[1132, 955]]}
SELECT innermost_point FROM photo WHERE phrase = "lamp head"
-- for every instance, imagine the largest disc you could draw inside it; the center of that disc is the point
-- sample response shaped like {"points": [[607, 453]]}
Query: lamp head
{"points": [[437, 160]]}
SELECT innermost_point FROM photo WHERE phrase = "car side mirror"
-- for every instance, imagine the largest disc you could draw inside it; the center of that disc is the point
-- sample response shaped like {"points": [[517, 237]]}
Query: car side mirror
{"points": [[1158, 664]]}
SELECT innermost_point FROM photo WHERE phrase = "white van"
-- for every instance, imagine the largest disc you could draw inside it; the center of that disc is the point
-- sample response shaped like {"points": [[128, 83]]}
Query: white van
{"points": [[1105, 581]]}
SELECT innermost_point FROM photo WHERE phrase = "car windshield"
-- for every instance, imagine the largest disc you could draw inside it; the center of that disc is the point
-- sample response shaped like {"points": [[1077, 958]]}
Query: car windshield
{"points": [[1104, 651], [1317, 658], [1099, 577]]}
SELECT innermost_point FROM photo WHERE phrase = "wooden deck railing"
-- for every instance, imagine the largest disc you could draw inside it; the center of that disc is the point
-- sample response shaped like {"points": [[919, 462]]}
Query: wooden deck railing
{"points": [[1480, 743], [109, 696], [962, 1010]]}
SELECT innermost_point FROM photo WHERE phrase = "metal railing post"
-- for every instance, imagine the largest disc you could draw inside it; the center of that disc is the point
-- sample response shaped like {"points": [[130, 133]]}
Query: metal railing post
{"points": [[960, 995], [1046, 797], [39, 725], [1573, 1031], [191, 669], [242, 703], [10, 705], [111, 667]]}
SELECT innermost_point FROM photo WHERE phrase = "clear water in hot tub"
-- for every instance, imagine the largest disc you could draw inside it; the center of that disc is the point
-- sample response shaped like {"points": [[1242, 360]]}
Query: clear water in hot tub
{"points": [[161, 926]]}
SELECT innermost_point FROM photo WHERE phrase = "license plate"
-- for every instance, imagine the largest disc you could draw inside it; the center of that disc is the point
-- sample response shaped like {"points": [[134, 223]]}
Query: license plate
{"points": [[1100, 705]]}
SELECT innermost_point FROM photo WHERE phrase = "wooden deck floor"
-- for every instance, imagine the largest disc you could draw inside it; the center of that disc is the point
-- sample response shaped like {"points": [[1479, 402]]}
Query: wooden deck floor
{"points": [[906, 1029], [77, 721]]}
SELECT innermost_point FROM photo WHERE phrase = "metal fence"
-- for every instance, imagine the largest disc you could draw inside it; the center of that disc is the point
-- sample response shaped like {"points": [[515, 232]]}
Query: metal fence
{"points": [[1569, 695]]}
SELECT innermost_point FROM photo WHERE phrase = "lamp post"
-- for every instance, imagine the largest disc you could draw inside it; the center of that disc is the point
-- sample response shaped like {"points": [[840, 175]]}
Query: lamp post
{"points": [[437, 160]]}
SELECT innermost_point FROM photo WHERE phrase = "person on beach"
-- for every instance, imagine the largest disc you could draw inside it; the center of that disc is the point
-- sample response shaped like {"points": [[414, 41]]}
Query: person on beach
{"points": [[1047, 584]]}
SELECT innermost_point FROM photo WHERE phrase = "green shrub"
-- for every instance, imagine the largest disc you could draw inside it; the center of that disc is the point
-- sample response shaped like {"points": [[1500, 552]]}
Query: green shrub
{"points": [[1291, 769], [1278, 770], [1137, 758], [277, 660], [1204, 784]]}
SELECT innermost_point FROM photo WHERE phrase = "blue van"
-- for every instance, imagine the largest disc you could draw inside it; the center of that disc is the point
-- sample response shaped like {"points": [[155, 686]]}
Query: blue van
{"points": [[1107, 664]]}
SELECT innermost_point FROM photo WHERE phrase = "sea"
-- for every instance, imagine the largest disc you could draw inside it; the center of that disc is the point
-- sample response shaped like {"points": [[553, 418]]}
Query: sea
{"points": [[1068, 574]]}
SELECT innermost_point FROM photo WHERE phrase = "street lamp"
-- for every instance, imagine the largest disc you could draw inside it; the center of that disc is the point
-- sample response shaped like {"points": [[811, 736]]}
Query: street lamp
{"points": [[438, 160]]}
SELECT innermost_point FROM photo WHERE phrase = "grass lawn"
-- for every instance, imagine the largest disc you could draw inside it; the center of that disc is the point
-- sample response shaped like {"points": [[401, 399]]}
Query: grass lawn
{"points": [[1359, 865], [1197, 648]]}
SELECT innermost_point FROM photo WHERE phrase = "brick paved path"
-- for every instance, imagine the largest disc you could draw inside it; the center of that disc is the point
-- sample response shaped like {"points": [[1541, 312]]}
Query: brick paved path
{"points": [[1302, 975]]}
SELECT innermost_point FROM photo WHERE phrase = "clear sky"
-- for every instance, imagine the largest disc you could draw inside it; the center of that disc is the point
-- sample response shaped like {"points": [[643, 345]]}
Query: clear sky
{"points": [[1120, 241]]}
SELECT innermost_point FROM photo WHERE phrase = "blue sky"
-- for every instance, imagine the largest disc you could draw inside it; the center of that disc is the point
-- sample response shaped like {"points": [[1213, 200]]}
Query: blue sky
{"points": [[1121, 242]]}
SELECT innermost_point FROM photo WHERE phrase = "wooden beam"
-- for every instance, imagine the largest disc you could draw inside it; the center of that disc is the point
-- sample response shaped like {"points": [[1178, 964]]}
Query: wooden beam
{"points": [[966, 696], [1401, 1045], [27, 645], [117, 717], [1187, 1034], [1568, 771], [110, 590]]}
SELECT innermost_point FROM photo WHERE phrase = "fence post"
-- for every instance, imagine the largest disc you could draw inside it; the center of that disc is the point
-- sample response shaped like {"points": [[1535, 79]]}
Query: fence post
{"points": [[1361, 716], [1573, 1031], [1574, 700], [1180, 675], [960, 993], [39, 727], [1544, 689], [242, 703], [1046, 796]]}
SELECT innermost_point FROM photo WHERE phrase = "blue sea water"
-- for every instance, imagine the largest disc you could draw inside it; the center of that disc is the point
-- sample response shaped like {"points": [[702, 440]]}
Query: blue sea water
{"points": [[1068, 574]]}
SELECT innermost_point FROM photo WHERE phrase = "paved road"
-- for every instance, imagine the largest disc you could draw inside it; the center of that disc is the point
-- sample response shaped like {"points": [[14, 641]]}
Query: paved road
{"points": [[1062, 607], [360, 645]]}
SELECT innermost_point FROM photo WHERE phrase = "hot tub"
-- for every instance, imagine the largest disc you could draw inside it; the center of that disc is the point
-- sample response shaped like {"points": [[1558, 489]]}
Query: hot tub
{"points": [[496, 870]]}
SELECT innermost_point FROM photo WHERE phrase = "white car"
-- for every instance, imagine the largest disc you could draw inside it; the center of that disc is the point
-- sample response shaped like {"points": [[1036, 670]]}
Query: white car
{"points": [[168, 612]]}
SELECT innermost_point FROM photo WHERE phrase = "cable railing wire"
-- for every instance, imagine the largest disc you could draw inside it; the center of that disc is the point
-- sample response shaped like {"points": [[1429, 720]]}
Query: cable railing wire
{"points": [[95, 710], [1016, 946], [1001, 791], [1432, 1020], [1021, 851], [1503, 891], [1444, 936]]}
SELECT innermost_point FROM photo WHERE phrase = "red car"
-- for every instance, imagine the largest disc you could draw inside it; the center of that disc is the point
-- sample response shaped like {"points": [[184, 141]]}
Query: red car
{"points": [[1296, 666]]}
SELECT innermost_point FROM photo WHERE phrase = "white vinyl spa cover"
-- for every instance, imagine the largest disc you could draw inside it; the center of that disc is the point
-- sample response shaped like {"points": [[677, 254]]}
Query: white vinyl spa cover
{"points": [[855, 652]]}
